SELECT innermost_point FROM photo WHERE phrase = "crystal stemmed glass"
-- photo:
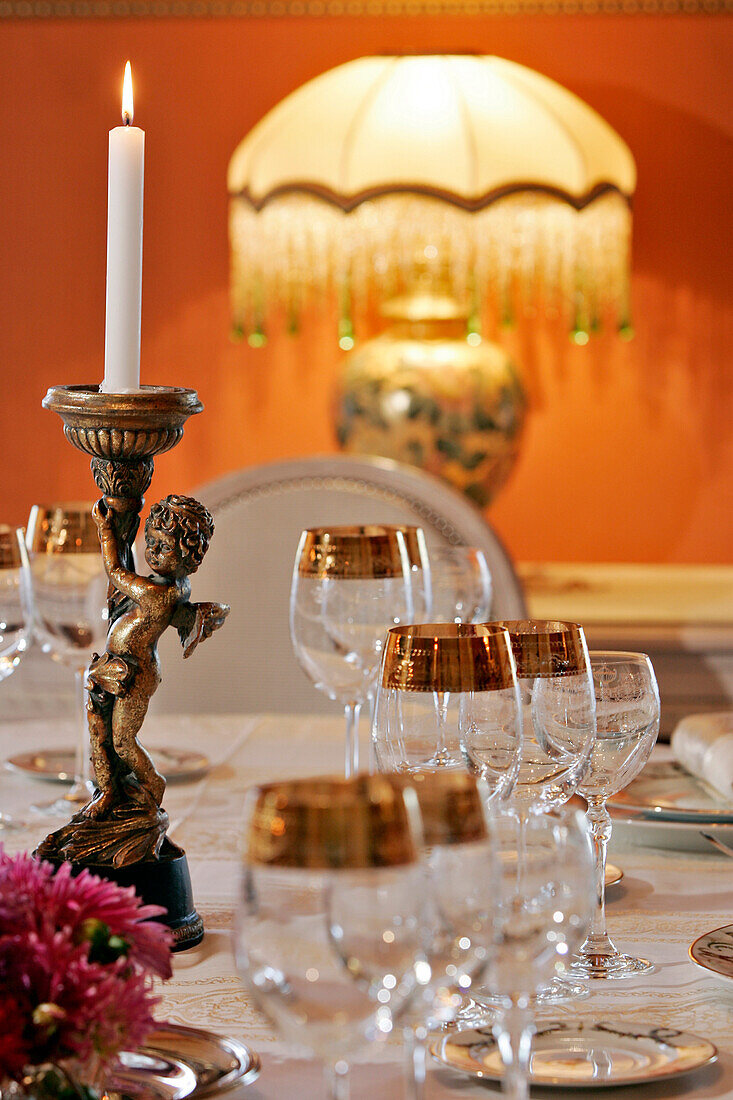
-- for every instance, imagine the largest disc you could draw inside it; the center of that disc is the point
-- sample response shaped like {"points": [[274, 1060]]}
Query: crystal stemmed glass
{"points": [[448, 698], [349, 585], [627, 719], [459, 927], [14, 614], [330, 914], [558, 704], [546, 900], [461, 584], [69, 595]]}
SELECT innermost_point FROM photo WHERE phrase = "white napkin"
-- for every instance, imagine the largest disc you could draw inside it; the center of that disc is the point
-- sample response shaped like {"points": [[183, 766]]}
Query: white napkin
{"points": [[703, 744]]}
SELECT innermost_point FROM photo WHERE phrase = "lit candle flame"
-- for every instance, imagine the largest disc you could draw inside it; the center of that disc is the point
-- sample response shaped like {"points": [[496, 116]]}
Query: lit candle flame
{"points": [[127, 107]]}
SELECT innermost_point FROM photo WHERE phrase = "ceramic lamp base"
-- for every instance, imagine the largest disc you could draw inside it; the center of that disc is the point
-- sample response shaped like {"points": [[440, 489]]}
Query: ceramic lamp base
{"points": [[423, 393]]}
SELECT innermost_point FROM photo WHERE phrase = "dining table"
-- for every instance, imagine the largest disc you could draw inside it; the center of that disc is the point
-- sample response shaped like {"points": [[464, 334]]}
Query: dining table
{"points": [[667, 898]]}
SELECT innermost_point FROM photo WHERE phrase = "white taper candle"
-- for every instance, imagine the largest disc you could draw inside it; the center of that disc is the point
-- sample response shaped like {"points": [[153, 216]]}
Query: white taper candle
{"points": [[124, 250]]}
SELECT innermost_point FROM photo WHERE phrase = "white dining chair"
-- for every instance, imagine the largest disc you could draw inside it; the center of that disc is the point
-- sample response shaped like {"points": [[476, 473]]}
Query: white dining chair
{"points": [[249, 665]]}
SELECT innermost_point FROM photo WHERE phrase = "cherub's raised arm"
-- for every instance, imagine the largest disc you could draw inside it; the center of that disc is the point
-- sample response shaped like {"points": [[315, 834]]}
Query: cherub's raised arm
{"points": [[124, 580]]}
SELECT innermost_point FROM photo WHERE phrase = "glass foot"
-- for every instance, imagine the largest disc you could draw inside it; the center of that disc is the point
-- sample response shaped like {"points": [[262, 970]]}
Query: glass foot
{"points": [[561, 990], [69, 803], [472, 1014], [609, 966], [483, 1009]]}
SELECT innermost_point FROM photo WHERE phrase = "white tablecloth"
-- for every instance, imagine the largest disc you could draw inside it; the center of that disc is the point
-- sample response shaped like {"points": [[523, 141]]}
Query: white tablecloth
{"points": [[666, 900]]}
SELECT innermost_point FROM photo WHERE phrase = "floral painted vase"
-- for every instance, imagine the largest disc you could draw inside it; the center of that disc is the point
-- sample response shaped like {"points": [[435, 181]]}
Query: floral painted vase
{"points": [[425, 393]]}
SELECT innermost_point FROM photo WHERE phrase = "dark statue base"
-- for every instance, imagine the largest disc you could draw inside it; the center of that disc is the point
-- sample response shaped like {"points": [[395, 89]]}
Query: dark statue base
{"points": [[165, 881], [131, 831]]}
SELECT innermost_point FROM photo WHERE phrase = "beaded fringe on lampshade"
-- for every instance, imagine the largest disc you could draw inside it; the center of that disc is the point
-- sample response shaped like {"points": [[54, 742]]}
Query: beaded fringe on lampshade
{"points": [[525, 251]]}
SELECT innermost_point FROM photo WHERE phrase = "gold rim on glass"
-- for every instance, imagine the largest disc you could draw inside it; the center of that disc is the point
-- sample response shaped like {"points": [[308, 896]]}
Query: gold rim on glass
{"points": [[451, 807], [62, 529], [546, 647], [10, 556], [333, 824], [417, 548], [448, 657], [354, 552]]}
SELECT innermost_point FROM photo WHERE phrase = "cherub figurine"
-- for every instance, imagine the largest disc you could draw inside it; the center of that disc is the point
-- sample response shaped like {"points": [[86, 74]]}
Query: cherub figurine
{"points": [[123, 679]]}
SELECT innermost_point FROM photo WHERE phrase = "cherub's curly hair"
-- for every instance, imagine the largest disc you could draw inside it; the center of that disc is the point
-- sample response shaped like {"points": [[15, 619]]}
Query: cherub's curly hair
{"points": [[189, 522]]}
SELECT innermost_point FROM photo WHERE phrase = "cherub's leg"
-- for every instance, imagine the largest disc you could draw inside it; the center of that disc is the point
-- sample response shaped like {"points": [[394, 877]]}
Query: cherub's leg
{"points": [[100, 736], [127, 718]]}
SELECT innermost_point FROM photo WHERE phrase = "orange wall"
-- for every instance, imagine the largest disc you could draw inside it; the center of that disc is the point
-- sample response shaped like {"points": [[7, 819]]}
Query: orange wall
{"points": [[629, 452]]}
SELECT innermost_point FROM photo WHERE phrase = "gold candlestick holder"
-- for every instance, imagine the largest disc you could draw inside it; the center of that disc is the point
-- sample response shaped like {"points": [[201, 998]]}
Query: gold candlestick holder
{"points": [[121, 832]]}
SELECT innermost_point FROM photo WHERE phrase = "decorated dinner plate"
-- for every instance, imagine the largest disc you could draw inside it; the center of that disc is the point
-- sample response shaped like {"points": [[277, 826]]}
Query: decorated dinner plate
{"points": [[177, 1062], [57, 765], [664, 791], [714, 951], [572, 1054]]}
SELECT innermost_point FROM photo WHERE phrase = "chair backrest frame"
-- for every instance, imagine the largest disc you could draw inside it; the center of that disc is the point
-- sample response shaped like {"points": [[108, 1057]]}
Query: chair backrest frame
{"points": [[363, 489]]}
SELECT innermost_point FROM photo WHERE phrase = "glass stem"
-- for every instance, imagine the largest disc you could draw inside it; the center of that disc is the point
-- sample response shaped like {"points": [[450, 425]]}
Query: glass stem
{"points": [[441, 699], [522, 821], [598, 941], [514, 1030], [351, 711], [416, 1053], [337, 1080], [373, 767], [82, 789]]}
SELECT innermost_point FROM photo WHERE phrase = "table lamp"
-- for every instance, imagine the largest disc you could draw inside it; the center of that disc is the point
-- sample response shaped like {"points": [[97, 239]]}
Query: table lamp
{"points": [[452, 192]]}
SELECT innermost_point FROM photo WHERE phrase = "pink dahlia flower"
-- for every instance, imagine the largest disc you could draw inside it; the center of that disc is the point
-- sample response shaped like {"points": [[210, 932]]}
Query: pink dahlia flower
{"points": [[77, 959]]}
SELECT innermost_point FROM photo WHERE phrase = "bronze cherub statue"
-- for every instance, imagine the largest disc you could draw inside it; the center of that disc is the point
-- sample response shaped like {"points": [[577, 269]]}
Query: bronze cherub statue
{"points": [[124, 822]]}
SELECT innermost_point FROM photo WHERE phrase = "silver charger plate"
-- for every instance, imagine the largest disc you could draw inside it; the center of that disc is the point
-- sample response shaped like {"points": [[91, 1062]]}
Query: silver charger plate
{"points": [[581, 1054], [57, 765], [665, 792], [713, 951], [176, 1062]]}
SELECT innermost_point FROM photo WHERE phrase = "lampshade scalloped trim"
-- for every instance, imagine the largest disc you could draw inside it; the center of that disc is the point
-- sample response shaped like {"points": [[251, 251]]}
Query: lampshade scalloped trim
{"points": [[524, 250], [347, 203]]}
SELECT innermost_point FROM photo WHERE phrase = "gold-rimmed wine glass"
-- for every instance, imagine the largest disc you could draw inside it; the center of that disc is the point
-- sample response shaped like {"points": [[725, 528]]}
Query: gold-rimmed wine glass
{"points": [[15, 632], [627, 724], [558, 701], [558, 705], [68, 587], [349, 585], [328, 931], [448, 698]]}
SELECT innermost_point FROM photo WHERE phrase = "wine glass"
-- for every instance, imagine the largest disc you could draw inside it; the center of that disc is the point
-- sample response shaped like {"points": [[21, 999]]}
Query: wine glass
{"points": [[558, 704], [448, 698], [14, 615], [558, 701], [461, 584], [329, 919], [546, 901], [462, 885], [627, 718], [420, 572], [349, 585], [69, 594]]}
